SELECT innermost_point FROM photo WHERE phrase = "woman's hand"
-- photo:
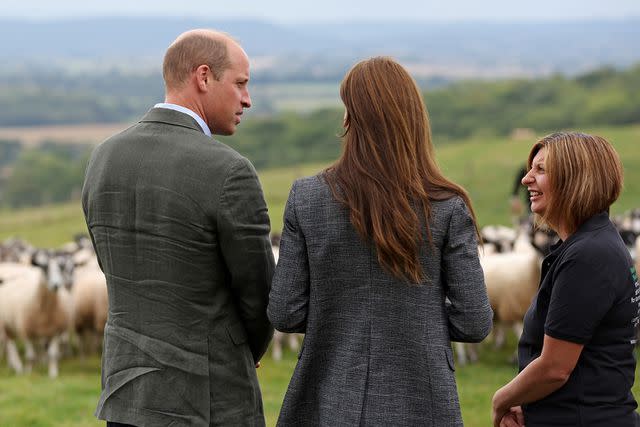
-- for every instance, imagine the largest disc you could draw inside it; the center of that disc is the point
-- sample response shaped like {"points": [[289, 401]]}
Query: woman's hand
{"points": [[505, 416], [497, 411], [513, 418], [541, 377]]}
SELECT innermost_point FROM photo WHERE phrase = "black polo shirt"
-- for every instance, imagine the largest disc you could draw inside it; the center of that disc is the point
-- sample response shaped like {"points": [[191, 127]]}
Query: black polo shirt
{"points": [[589, 294]]}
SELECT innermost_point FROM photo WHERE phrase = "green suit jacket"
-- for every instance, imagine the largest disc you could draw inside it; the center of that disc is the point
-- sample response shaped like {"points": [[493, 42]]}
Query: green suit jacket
{"points": [[181, 230]]}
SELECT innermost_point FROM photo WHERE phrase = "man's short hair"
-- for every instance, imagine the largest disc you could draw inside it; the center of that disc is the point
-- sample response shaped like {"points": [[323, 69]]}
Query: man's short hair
{"points": [[191, 50]]}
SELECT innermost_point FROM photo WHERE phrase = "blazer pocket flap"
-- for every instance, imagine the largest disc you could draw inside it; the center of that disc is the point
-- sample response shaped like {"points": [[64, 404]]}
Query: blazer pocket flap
{"points": [[117, 380], [237, 333], [449, 355], [157, 351]]}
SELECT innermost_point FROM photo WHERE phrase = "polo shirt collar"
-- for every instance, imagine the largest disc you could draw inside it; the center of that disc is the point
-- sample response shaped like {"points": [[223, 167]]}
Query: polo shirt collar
{"points": [[594, 223]]}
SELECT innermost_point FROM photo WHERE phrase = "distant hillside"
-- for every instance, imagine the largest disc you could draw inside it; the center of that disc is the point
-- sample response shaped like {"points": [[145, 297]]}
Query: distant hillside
{"points": [[485, 111], [484, 166], [601, 97], [455, 48]]}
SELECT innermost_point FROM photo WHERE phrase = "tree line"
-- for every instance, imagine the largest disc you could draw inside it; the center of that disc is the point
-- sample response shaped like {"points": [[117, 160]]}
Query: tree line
{"points": [[604, 97]]}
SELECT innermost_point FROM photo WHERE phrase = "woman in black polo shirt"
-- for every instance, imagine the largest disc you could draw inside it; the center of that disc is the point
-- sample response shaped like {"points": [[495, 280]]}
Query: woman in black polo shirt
{"points": [[576, 351]]}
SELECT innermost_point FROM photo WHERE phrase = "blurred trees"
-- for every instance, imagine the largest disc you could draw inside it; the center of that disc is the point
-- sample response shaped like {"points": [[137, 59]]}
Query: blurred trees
{"points": [[601, 97], [51, 173], [289, 138], [54, 173]]}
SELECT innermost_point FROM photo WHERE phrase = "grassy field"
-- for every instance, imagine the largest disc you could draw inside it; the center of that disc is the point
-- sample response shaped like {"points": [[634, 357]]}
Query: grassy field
{"points": [[35, 400], [484, 166], [286, 96], [77, 134]]}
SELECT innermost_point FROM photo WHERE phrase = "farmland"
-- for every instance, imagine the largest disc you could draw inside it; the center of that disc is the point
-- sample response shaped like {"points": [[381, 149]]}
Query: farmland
{"points": [[485, 166]]}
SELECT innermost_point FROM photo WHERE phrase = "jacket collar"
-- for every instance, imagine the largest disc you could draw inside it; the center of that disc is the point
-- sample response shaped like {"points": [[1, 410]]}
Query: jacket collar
{"points": [[172, 117]]}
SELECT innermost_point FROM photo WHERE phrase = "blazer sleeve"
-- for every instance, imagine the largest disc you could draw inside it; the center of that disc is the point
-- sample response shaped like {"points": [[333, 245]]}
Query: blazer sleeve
{"points": [[470, 315], [243, 228], [289, 297]]}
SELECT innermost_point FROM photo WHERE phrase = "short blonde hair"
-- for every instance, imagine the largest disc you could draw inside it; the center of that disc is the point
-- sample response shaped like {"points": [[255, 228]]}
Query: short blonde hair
{"points": [[585, 176], [192, 49]]}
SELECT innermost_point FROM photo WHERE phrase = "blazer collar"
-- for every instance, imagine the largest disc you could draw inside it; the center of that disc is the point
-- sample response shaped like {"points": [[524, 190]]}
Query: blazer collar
{"points": [[172, 117]]}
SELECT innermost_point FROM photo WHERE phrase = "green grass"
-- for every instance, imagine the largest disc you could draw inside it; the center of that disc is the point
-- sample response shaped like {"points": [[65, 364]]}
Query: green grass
{"points": [[485, 166], [286, 96], [44, 226], [35, 400]]}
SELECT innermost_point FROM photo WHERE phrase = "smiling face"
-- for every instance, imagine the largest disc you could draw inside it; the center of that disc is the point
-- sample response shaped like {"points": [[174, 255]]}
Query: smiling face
{"points": [[537, 183], [229, 96]]}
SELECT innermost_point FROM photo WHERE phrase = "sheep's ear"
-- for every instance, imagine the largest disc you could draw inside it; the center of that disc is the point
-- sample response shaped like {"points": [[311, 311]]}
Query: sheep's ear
{"points": [[81, 257], [40, 259]]}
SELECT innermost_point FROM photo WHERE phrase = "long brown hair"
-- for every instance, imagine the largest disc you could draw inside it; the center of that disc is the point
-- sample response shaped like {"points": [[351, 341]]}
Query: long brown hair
{"points": [[387, 172], [585, 176]]}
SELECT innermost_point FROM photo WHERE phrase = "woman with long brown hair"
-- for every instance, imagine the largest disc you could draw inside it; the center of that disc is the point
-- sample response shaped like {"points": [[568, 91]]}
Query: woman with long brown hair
{"points": [[371, 249]]}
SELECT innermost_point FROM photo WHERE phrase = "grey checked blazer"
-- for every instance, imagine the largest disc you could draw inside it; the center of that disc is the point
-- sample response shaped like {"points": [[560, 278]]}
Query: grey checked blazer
{"points": [[377, 351]]}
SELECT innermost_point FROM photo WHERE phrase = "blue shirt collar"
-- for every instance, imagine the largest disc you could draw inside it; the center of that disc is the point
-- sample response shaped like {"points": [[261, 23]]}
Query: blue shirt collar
{"points": [[185, 110]]}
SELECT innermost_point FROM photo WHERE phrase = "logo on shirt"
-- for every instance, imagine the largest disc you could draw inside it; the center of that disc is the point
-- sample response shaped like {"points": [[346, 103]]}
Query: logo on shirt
{"points": [[635, 299]]}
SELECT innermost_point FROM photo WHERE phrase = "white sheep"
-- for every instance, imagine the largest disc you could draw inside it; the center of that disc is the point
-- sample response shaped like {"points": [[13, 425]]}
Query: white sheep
{"points": [[16, 250], [637, 255], [90, 304], [512, 280], [34, 305], [500, 236], [280, 337]]}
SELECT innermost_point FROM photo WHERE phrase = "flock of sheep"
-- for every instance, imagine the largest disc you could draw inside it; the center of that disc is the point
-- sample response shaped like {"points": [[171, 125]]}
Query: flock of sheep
{"points": [[50, 297], [511, 260], [59, 298]]}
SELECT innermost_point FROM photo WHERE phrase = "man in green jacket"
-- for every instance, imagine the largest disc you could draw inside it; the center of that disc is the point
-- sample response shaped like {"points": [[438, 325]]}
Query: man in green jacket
{"points": [[181, 231]]}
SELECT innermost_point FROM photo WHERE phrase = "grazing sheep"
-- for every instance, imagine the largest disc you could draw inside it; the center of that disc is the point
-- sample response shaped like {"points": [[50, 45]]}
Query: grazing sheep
{"points": [[34, 304], [500, 236], [280, 337], [512, 280], [90, 305], [637, 258], [465, 352], [628, 226], [16, 250]]}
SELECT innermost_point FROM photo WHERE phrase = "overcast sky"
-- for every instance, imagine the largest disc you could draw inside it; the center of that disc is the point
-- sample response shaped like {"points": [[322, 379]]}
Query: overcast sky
{"points": [[327, 10]]}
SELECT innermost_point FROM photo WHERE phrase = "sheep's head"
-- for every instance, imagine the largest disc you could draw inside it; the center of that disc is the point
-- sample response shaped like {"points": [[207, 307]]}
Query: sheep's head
{"points": [[57, 268]]}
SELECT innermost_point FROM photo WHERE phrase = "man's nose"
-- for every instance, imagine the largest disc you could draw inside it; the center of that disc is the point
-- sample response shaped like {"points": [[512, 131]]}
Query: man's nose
{"points": [[246, 100]]}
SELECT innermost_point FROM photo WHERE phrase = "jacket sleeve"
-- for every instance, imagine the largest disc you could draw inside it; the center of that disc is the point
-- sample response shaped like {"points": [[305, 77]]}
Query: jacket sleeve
{"points": [[243, 227], [469, 312], [289, 298]]}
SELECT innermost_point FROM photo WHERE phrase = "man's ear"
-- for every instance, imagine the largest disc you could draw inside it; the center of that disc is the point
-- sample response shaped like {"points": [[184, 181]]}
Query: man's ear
{"points": [[202, 76]]}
